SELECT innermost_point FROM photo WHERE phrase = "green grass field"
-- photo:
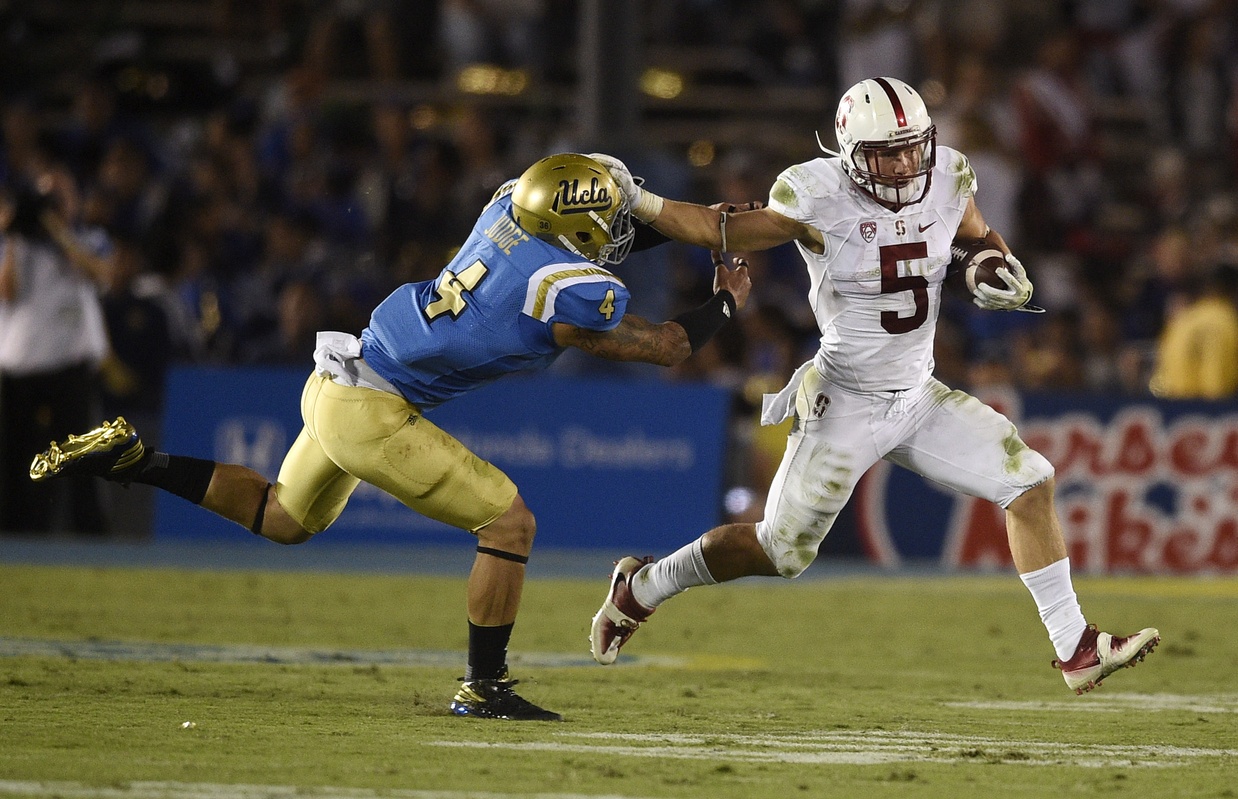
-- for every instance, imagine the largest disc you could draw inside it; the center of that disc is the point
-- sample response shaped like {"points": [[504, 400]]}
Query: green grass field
{"points": [[838, 687]]}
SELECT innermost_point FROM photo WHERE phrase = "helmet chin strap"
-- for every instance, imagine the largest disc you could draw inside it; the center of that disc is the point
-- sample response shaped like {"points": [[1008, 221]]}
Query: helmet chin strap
{"points": [[572, 248], [825, 149], [894, 194]]}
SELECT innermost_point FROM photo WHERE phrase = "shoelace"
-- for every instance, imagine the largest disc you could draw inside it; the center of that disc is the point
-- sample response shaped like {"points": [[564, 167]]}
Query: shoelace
{"points": [[517, 700]]}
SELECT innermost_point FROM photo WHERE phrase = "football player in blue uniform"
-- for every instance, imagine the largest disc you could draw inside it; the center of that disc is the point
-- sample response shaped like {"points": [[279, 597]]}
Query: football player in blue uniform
{"points": [[530, 281]]}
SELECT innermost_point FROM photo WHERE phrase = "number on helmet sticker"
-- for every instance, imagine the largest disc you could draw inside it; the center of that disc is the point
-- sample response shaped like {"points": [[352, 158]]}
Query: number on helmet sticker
{"points": [[451, 290]]}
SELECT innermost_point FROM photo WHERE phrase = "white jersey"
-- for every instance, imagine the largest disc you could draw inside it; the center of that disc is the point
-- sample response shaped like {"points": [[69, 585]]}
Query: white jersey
{"points": [[876, 290], [56, 320]]}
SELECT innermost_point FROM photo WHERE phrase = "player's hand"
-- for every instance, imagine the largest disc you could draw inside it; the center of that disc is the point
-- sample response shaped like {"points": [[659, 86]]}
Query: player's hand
{"points": [[645, 205], [1016, 294], [734, 280], [622, 175]]}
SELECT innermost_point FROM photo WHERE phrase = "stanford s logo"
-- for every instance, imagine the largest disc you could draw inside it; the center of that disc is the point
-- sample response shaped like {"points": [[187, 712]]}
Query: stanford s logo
{"points": [[840, 122], [868, 230], [819, 405], [575, 199]]}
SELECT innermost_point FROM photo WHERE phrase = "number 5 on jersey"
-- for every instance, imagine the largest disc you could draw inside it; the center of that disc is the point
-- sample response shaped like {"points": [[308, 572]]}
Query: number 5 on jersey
{"points": [[891, 283], [451, 288]]}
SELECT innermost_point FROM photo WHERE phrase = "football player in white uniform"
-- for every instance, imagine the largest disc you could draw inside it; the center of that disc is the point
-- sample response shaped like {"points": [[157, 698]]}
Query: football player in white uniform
{"points": [[874, 224]]}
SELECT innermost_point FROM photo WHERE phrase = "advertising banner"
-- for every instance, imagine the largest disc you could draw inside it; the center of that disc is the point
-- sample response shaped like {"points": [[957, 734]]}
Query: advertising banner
{"points": [[633, 465], [1142, 487]]}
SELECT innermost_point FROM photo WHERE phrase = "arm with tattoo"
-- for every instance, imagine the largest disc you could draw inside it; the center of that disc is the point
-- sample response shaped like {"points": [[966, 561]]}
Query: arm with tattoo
{"points": [[668, 343], [634, 339]]}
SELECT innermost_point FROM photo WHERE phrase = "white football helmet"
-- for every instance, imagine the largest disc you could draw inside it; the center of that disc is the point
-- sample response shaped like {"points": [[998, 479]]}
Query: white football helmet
{"points": [[885, 116]]}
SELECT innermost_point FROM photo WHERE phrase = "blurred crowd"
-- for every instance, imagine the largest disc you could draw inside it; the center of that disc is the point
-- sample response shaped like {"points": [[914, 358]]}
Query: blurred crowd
{"points": [[225, 212]]}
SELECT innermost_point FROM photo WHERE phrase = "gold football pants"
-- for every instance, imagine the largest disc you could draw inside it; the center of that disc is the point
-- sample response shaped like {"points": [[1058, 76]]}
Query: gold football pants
{"points": [[353, 434]]}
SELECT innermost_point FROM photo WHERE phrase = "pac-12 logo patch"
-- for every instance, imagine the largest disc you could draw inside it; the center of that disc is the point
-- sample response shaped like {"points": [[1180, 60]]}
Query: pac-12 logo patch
{"points": [[868, 230]]}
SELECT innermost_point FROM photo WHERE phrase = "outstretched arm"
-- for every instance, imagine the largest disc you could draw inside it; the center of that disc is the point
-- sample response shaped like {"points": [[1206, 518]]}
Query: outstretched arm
{"points": [[747, 231], [668, 343], [711, 227], [634, 339]]}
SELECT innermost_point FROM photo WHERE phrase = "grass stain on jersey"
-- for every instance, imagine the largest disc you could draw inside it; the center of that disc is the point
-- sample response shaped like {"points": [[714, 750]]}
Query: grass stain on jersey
{"points": [[1015, 448], [964, 176], [783, 193]]}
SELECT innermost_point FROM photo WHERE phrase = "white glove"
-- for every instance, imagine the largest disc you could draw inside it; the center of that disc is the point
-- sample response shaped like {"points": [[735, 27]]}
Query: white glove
{"points": [[645, 204], [1016, 294]]}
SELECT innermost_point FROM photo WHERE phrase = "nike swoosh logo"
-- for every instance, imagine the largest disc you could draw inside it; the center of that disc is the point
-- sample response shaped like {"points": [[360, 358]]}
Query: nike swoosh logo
{"points": [[926, 227]]}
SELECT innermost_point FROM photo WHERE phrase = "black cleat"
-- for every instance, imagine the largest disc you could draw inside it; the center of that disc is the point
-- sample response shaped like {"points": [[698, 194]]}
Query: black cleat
{"points": [[495, 699], [113, 451]]}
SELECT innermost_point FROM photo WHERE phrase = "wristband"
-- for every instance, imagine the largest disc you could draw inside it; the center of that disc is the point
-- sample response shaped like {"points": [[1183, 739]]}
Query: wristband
{"points": [[703, 322], [648, 207]]}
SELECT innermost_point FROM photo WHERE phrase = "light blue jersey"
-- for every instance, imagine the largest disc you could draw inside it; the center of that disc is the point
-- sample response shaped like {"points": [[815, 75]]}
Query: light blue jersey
{"points": [[489, 312]]}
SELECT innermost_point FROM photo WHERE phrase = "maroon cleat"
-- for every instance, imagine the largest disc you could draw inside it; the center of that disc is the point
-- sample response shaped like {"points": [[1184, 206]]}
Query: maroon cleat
{"points": [[1100, 654], [620, 614]]}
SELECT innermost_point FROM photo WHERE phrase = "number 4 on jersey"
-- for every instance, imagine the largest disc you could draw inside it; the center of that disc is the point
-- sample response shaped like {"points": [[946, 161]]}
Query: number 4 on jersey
{"points": [[451, 290], [607, 308]]}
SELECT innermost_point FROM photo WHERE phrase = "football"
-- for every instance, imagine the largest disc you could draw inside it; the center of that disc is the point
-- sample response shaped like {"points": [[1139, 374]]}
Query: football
{"points": [[972, 263]]}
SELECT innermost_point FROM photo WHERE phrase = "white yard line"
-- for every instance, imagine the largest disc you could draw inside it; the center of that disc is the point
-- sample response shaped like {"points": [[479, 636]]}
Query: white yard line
{"points": [[1115, 703], [858, 748]]}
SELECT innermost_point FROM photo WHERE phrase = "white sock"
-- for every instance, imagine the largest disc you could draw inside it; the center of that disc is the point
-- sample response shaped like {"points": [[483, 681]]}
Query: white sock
{"points": [[674, 574], [1058, 606]]}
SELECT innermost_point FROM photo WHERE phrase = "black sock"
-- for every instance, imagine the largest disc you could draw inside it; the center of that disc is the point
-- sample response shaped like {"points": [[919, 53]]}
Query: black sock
{"points": [[487, 651], [185, 477]]}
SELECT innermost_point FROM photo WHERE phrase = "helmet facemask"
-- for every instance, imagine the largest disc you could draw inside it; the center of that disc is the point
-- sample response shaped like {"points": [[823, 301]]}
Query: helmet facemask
{"points": [[892, 189], [620, 231]]}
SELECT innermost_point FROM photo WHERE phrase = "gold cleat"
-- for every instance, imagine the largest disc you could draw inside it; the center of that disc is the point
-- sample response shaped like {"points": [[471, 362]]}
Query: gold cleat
{"points": [[108, 451]]}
